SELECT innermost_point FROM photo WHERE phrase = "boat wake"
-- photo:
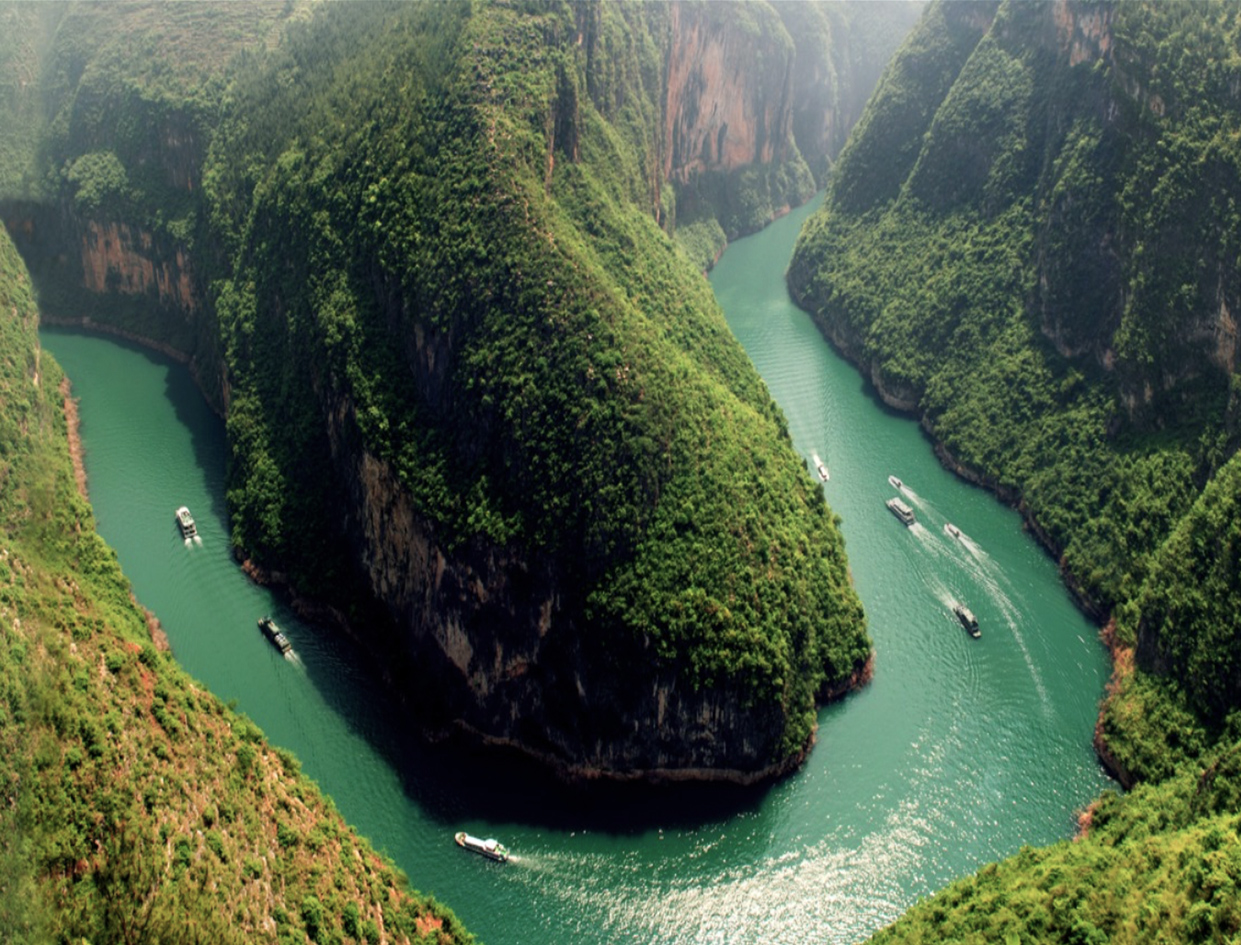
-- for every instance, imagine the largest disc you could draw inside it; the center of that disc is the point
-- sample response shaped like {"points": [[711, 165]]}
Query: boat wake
{"points": [[974, 548]]}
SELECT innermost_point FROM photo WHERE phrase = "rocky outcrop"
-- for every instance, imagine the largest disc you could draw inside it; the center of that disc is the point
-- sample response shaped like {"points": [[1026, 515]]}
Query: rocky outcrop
{"points": [[120, 258], [491, 645], [729, 92]]}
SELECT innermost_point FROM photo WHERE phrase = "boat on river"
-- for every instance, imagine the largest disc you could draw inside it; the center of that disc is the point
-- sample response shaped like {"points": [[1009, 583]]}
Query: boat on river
{"points": [[901, 511], [185, 522], [818, 464], [952, 530], [272, 632], [968, 620], [895, 483], [492, 849]]}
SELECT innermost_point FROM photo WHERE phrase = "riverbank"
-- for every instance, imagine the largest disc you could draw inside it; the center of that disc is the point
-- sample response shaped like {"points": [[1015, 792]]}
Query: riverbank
{"points": [[72, 424], [906, 402]]}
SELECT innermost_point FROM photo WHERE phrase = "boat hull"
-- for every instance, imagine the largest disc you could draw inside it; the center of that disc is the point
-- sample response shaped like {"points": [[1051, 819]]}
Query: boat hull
{"points": [[490, 849]]}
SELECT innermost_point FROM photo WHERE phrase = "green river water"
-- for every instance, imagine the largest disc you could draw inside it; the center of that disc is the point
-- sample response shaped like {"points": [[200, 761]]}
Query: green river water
{"points": [[960, 751]]}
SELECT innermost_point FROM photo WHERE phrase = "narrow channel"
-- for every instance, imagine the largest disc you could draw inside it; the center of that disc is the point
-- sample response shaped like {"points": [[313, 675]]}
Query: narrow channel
{"points": [[960, 751]]}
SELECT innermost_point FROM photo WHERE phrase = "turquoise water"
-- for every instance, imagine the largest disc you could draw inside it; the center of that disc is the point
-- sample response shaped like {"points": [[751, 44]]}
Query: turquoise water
{"points": [[958, 753]]}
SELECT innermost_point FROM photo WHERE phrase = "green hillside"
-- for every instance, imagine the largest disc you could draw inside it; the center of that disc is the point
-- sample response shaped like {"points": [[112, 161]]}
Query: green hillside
{"points": [[1043, 270], [444, 183], [137, 806]]}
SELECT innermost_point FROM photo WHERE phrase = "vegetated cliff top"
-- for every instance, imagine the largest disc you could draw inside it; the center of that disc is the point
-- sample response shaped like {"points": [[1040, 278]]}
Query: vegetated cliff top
{"points": [[1044, 272], [438, 236], [135, 802]]}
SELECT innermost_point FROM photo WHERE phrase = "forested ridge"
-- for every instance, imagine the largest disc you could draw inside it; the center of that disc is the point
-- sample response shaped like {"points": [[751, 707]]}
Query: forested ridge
{"points": [[138, 807], [419, 254], [431, 240], [1044, 271]]}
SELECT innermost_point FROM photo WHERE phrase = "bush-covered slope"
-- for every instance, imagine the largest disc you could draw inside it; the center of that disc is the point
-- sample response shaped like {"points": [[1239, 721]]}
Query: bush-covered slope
{"points": [[441, 239], [1046, 276], [136, 806], [1049, 287], [1162, 864]]}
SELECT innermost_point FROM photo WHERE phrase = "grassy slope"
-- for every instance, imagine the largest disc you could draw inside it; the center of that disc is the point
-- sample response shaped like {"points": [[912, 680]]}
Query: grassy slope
{"points": [[137, 806]]}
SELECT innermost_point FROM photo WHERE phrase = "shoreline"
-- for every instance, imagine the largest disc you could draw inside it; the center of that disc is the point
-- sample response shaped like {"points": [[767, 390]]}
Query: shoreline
{"points": [[72, 424], [1011, 498]]}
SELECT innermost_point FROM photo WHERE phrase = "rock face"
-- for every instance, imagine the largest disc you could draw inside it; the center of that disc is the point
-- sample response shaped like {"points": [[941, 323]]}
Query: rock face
{"points": [[499, 652], [119, 258], [729, 93]]}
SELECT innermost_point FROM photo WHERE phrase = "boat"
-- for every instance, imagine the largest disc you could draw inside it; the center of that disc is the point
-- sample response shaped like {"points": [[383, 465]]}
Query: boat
{"points": [[952, 530], [492, 849], [895, 483], [901, 511], [185, 522], [272, 632], [818, 464], [968, 620]]}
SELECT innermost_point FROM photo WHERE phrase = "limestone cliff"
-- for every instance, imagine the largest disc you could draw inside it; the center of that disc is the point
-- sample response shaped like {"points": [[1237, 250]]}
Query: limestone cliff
{"points": [[729, 93]]}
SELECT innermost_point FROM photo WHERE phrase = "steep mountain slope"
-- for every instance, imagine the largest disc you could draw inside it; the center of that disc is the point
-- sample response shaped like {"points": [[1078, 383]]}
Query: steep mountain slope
{"points": [[1045, 271], [566, 484], [418, 254], [136, 806]]}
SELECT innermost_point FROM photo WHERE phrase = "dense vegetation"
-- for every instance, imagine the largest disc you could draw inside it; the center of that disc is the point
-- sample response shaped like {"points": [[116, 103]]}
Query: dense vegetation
{"points": [[137, 807], [443, 182], [1042, 267]]}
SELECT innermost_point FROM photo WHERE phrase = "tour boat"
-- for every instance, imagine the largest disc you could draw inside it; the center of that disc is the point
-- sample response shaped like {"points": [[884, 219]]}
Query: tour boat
{"points": [[952, 530], [968, 620], [901, 511], [185, 522], [895, 483], [492, 849], [272, 632], [818, 464]]}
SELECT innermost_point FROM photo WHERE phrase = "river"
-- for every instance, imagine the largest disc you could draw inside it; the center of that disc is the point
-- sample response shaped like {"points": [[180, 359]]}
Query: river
{"points": [[959, 752]]}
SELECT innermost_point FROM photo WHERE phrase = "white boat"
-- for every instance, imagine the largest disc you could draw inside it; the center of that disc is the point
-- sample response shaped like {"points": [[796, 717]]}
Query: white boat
{"points": [[818, 464], [895, 483], [185, 522], [952, 530], [901, 511], [492, 849]]}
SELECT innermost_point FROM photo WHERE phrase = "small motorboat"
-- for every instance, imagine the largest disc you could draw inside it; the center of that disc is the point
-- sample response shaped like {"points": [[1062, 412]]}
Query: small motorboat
{"points": [[968, 620], [895, 483], [492, 849], [952, 530], [185, 522], [272, 632], [821, 468]]}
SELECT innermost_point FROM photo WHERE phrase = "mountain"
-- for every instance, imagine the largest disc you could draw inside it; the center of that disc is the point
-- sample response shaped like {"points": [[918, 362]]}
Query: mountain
{"points": [[138, 807], [1031, 243], [419, 256]]}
